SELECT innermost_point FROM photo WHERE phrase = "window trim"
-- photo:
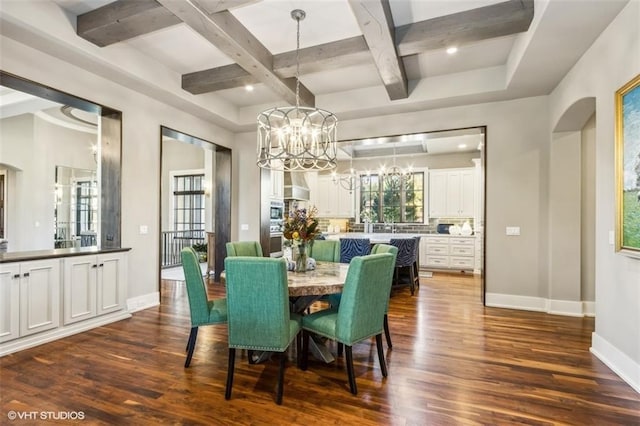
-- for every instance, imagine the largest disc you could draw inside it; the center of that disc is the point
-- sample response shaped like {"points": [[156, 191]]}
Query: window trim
{"points": [[425, 196], [172, 190]]}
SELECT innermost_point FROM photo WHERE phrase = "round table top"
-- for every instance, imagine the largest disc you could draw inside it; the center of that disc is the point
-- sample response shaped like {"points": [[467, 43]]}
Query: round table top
{"points": [[327, 278]]}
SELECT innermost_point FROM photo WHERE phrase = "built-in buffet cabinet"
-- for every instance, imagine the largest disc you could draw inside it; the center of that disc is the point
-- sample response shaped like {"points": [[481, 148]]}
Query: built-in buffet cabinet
{"points": [[59, 295]]}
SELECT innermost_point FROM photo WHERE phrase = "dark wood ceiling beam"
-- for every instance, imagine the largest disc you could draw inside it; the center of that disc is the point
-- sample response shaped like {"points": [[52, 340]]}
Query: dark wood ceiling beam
{"points": [[225, 32], [125, 19], [376, 23], [214, 79], [502, 19], [497, 20], [351, 51], [338, 54]]}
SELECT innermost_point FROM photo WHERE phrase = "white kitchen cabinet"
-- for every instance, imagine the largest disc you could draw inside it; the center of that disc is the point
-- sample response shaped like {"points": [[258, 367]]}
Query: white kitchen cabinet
{"points": [[30, 298], [448, 252], [93, 285], [9, 301], [277, 184], [332, 200], [451, 193]]}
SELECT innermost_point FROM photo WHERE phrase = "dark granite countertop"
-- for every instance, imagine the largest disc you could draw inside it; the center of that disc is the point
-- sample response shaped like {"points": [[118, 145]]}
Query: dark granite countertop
{"points": [[20, 256]]}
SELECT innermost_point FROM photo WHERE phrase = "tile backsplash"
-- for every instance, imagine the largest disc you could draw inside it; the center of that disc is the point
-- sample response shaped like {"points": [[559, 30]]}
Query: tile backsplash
{"points": [[349, 225]]}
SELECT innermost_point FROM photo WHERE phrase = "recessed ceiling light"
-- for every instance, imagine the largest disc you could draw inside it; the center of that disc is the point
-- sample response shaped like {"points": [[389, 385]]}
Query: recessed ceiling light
{"points": [[248, 88], [452, 50], [462, 146]]}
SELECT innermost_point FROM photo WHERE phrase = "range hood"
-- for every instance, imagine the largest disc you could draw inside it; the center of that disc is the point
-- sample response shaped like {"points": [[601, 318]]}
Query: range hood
{"points": [[295, 186]]}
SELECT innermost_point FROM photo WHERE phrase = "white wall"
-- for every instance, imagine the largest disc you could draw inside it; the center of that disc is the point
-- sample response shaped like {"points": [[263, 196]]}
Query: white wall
{"points": [[176, 156], [142, 118], [612, 60], [30, 199], [588, 216]]}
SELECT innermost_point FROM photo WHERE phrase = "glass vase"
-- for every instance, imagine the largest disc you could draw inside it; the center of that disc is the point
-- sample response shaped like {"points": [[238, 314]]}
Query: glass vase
{"points": [[301, 261]]}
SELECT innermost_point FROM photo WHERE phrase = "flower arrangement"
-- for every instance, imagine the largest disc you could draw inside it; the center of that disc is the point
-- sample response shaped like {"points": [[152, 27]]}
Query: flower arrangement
{"points": [[301, 225]]}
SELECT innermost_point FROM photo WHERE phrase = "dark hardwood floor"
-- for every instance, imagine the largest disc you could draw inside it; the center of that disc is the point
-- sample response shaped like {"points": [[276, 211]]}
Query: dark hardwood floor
{"points": [[453, 362]]}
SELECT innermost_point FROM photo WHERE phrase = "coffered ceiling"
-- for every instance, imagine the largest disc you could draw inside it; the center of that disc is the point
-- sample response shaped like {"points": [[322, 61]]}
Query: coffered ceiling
{"points": [[358, 57]]}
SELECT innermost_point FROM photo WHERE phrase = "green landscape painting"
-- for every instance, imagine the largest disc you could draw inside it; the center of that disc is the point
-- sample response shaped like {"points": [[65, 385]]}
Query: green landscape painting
{"points": [[631, 167]]}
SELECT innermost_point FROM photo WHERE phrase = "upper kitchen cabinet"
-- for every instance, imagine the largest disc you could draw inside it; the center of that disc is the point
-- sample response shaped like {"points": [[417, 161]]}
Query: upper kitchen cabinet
{"points": [[451, 192], [277, 184], [332, 200]]}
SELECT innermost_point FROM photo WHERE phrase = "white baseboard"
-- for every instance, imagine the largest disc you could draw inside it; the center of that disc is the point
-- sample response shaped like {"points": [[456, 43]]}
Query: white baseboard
{"points": [[58, 333], [589, 309], [145, 301], [526, 303], [565, 307], [617, 361], [540, 304]]}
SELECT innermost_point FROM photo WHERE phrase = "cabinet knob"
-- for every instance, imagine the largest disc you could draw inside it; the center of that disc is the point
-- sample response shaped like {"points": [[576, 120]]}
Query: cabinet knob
{"points": [[26, 274], [16, 276], [94, 266], [101, 265]]}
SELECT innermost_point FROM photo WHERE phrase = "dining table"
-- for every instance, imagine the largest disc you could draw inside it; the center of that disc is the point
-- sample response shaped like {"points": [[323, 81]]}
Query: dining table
{"points": [[307, 287]]}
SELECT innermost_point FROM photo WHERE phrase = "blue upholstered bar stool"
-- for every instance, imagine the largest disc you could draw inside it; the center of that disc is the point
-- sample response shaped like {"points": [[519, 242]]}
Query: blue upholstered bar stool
{"points": [[405, 260], [352, 247]]}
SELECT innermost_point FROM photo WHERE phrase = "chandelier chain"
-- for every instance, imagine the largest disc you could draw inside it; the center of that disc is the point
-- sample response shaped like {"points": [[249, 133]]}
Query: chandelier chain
{"points": [[297, 18]]}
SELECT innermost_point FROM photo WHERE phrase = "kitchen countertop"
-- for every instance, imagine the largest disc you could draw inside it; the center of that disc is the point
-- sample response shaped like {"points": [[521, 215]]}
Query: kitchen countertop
{"points": [[376, 237]]}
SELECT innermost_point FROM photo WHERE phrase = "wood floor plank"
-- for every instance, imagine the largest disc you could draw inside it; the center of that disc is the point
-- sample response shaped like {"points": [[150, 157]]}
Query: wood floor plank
{"points": [[453, 362]]}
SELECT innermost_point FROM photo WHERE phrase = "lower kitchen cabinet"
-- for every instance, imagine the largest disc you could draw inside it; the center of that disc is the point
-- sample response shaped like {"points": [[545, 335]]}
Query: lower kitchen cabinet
{"points": [[447, 252], [30, 298], [93, 285]]}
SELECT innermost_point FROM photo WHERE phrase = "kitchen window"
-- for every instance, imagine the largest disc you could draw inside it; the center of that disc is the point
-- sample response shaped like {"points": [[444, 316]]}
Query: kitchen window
{"points": [[392, 198]]}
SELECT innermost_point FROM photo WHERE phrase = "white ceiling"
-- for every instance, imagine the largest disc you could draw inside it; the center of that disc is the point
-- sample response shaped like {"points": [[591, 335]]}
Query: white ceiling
{"points": [[521, 65]]}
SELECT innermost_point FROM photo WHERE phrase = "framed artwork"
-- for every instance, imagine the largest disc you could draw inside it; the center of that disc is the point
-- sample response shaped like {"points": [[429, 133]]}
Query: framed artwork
{"points": [[627, 152]]}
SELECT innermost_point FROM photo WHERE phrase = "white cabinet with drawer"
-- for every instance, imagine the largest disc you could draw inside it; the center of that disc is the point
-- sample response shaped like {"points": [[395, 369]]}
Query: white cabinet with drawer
{"points": [[447, 252], [45, 299]]}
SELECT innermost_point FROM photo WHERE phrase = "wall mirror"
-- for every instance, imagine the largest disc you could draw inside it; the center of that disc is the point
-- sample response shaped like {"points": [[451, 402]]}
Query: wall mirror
{"points": [[59, 169], [76, 207]]}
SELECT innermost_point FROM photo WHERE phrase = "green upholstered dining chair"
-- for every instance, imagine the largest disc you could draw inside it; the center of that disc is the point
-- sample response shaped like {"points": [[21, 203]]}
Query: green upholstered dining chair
{"points": [[203, 311], [360, 315], [325, 250], [244, 248], [386, 248], [259, 320], [334, 299]]}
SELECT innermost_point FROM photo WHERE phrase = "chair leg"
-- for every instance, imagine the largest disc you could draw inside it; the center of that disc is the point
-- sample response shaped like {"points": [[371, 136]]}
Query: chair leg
{"points": [[191, 345], [383, 365], [412, 279], [340, 346], [416, 273], [299, 350], [305, 350], [230, 367], [250, 356], [386, 331], [350, 373], [283, 361]]}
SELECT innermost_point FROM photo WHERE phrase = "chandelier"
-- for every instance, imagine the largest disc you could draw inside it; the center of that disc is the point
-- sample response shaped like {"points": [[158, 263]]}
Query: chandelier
{"points": [[394, 171], [297, 138], [350, 182]]}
